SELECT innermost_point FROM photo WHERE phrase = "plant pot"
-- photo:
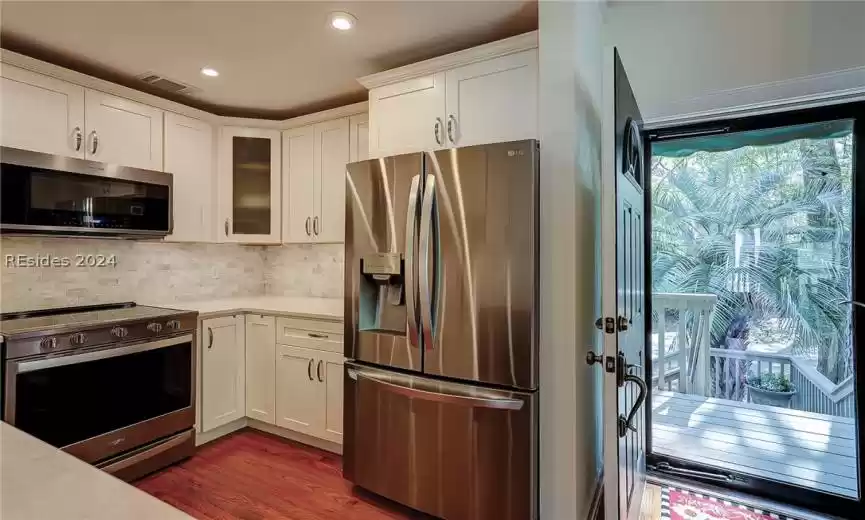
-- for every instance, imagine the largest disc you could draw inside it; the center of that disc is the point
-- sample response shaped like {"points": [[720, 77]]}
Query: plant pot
{"points": [[769, 397]]}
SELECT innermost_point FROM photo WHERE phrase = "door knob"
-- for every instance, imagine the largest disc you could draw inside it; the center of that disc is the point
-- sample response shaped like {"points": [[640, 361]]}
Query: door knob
{"points": [[627, 423], [622, 323]]}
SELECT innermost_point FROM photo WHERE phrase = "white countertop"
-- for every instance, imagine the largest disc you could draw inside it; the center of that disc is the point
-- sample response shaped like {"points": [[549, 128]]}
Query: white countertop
{"points": [[40, 482], [328, 308]]}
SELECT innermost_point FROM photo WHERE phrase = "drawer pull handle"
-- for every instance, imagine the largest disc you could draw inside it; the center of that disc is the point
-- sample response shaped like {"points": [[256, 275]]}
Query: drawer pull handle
{"points": [[318, 336]]}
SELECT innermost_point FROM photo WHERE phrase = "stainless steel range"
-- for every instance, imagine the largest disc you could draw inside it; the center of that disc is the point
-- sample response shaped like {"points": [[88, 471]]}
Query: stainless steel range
{"points": [[111, 384]]}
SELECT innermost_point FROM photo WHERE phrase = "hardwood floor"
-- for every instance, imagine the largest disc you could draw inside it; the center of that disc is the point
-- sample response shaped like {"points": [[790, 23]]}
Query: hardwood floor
{"points": [[651, 509], [251, 475]]}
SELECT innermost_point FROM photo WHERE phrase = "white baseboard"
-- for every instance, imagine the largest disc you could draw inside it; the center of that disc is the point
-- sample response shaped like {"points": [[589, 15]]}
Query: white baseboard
{"points": [[315, 442], [219, 431], [239, 424]]}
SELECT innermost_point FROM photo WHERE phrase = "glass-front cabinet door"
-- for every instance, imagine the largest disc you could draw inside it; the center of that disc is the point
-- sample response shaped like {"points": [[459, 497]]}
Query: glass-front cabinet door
{"points": [[249, 174]]}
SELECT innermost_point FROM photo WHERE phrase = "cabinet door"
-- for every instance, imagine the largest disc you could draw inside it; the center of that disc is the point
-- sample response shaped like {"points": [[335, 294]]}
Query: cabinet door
{"points": [[189, 158], [407, 117], [493, 101], [331, 156], [330, 374], [299, 395], [261, 367], [298, 145], [222, 373], [249, 185], [119, 131], [41, 113], [358, 146]]}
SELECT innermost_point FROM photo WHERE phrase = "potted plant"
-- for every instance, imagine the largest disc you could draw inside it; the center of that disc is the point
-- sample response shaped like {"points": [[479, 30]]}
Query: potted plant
{"points": [[771, 389]]}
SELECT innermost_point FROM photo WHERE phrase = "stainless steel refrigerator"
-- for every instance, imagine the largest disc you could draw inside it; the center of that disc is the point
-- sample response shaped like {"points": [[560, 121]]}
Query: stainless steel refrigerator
{"points": [[441, 330]]}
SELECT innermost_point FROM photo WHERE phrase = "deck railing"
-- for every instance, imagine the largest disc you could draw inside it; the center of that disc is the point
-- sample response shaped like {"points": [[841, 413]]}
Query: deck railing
{"points": [[691, 366]]}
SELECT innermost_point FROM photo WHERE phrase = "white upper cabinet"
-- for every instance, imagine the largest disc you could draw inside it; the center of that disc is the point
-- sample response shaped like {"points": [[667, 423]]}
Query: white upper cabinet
{"points": [[223, 373], [493, 101], [482, 95], [41, 113], [407, 117], [189, 158], [298, 150], [261, 367], [331, 156], [358, 143], [314, 181], [120, 131], [249, 186]]}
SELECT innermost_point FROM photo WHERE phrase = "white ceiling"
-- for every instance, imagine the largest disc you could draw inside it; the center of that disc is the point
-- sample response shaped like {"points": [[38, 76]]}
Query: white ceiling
{"points": [[276, 59]]}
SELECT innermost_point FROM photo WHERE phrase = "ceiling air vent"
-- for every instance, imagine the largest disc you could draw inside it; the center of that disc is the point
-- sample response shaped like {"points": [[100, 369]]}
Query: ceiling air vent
{"points": [[168, 85]]}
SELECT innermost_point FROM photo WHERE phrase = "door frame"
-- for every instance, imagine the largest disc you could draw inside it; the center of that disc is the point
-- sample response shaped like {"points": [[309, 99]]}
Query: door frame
{"points": [[732, 123]]}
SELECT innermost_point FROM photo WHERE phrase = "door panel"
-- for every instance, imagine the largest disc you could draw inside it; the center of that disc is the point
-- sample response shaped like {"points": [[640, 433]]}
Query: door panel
{"points": [[376, 315], [477, 313], [331, 156], [623, 294], [299, 397], [449, 450], [298, 147], [493, 101], [223, 372], [403, 116], [331, 373], [260, 367], [359, 138], [120, 131], [189, 158], [41, 113]]}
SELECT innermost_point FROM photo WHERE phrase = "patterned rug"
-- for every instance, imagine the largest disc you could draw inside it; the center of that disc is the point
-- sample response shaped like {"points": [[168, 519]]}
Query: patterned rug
{"points": [[681, 504]]}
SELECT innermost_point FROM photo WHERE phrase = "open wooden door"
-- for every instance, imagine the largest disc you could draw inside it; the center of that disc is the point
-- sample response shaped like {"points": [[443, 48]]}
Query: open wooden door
{"points": [[622, 298]]}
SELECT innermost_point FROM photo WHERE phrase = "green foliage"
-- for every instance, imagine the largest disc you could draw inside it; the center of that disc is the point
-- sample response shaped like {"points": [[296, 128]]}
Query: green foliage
{"points": [[771, 382], [766, 229]]}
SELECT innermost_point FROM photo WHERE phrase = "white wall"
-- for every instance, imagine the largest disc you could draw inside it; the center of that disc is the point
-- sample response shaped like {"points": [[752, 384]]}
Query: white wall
{"points": [[675, 52], [570, 131]]}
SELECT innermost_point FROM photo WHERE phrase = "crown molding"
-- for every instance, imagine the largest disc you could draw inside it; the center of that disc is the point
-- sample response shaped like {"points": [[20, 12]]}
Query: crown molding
{"points": [[521, 42], [327, 115], [831, 88], [48, 69]]}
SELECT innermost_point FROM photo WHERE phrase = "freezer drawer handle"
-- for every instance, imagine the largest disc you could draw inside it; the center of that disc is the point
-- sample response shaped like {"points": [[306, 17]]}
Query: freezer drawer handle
{"points": [[459, 400]]}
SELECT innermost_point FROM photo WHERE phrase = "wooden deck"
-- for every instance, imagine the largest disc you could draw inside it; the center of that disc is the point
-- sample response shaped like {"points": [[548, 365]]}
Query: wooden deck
{"points": [[800, 448]]}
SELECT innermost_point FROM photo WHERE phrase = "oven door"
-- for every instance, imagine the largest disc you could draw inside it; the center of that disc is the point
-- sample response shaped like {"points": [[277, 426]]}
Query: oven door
{"points": [[99, 403]]}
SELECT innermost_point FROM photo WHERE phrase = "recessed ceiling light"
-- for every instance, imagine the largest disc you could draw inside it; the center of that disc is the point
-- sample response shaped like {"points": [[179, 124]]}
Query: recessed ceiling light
{"points": [[207, 71], [342, 21]]}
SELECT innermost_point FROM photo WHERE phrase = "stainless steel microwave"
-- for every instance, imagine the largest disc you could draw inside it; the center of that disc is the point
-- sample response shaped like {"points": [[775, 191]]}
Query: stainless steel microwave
{"points": [[45, 194]]}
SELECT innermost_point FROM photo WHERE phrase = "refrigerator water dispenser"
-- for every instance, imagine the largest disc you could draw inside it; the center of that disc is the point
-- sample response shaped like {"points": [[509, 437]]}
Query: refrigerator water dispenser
{"points": [[382, 293]]}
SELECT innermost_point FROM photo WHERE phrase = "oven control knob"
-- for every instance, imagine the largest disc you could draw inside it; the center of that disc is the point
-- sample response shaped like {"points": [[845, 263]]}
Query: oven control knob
{"points": [[154, 327], [48, 343], [79, 338], [173, 324], [119, 332]]}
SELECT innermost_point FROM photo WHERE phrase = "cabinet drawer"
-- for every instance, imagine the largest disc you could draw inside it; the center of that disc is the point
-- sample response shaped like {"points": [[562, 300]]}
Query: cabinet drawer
{"points": [[327, 327], [314, 334]]}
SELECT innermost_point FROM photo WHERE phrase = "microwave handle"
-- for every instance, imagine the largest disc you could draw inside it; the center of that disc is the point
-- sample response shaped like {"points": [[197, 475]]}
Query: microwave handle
{"points": [[94, 355]]}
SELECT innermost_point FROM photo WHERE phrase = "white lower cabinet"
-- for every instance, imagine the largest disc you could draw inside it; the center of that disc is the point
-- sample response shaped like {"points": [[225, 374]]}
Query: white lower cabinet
{"points": [[223, 372], [298, 392], [261, 367], [309, 392], [250, 369]]}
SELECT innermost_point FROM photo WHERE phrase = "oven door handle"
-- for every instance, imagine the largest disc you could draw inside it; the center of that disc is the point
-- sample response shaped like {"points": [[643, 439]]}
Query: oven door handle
{"points": [[105, 353]]}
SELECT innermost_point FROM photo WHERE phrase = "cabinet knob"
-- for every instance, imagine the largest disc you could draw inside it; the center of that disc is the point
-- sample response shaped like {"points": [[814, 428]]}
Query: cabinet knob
{"points": [[452, 128], [437, 130], [77, 137], [315, 226], [94, 142]]}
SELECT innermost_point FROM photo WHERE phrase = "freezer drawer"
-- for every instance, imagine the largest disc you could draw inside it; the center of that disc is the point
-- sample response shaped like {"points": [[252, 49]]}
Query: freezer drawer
{"points": [[455, 451]]}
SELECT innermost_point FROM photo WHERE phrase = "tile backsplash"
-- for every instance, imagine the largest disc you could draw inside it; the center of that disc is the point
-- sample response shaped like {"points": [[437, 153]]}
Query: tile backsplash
{"points": [[304, 270], [160, 272]]}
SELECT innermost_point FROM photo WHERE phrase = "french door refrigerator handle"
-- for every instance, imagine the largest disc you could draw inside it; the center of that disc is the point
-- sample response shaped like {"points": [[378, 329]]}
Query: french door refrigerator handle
{"points": [[500, 403], [411, 224], [426, 224]]}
